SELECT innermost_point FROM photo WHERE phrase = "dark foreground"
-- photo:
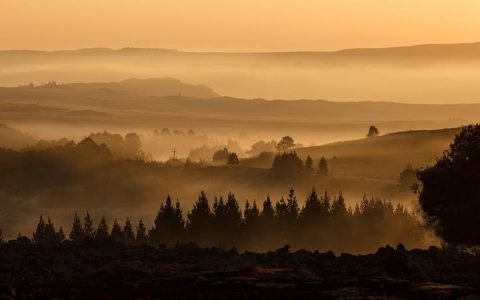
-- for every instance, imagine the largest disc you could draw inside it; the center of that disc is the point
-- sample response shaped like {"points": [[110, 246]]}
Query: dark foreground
{"points": [[112, 271]]}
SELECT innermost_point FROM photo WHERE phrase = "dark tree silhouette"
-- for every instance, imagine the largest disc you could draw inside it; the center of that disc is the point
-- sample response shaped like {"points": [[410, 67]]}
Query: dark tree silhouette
{"points": [[308, 166], [169, 225], [450, 192], [285, 143], [102, 230], [227, 220], [288, 164], [322, 167], [338, 208], [221, 156], [88, 227], [200, 220], [232, 159], [76, 234], [141, 236], [45, 233], [128, 234], [117, 234], [372, 132]]}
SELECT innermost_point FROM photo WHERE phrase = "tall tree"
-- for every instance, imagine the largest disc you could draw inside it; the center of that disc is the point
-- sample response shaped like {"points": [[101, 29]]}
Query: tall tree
{"points": [[308, 166], [322, 167], [169, 224], [449, 192], [76, 234], [141, 236], [117, 234], [200, 221], [129, 235], [88, 227], [102, 230]]}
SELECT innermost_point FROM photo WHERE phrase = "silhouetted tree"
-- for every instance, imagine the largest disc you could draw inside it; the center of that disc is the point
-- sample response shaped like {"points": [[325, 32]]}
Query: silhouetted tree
{"points": [[449, 193], [221, 156], [232, 159], [191, 132], [169, 225], [77, 234], [339, 209], [408, 178], [88, 227], [117, 234], [200, 221], [45, 233], [308, 166], [312, 209], [128, 234], [141, 236], [228, 220], [372, 132], [322, 167], [288, 164], [102, 230], [39, 234], [285, 143]]}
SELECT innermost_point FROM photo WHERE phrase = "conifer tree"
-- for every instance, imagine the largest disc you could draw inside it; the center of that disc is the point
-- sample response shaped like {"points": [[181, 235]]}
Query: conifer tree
{"points": [[39, 234], [308, 166], [169, 225], [200, 221], [88, 227], [77, 233], [322, 167], [116, 234], [102, 230], [141, 236], [128, 233]]}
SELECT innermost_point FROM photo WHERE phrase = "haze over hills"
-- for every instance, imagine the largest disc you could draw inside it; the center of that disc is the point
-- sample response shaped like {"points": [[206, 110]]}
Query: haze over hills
{"points": [[416, 74], [147, 104]]}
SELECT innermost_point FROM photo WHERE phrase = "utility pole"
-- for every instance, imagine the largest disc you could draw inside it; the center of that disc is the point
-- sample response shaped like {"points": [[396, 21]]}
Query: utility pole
{"points": [[174, 154]]}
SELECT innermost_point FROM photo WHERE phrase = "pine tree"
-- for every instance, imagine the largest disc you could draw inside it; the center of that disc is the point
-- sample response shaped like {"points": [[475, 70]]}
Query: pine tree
{"points": [[268, 211], [169, 224], [60, 235], [128, 233], [308, 166], [339, 209], [200, 221], [77, 233], [322, 167], [116, 234], [141, 237], [312, 209], [88, 227], [102, 230], [292, 207], [39, 234]]}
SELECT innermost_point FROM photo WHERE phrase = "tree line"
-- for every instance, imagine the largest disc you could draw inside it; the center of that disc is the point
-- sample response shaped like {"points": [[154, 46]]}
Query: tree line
{"points": [[323, 222]]}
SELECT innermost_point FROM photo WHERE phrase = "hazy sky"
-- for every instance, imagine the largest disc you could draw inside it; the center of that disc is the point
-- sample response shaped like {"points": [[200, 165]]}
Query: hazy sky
{"points": [[235, 25]]}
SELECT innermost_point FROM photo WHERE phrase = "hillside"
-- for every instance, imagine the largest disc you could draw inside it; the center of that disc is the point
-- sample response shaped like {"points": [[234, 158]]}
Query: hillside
{"points": [[383, 156], [415, 74]]}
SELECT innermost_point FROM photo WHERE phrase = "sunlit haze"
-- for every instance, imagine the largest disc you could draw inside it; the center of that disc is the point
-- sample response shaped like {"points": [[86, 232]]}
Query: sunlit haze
{"points": [[235, 25]]}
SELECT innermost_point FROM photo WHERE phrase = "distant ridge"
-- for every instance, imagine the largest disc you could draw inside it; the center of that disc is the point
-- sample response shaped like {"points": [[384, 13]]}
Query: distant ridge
{"points": [[453, 47]]}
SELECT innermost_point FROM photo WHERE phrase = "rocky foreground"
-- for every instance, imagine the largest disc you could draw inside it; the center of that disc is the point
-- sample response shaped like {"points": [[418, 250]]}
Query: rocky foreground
{"points": [[114, 271]]}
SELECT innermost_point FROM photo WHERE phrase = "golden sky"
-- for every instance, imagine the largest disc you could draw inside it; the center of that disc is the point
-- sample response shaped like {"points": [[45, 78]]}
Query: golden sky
{"points": [[235, 25]]}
